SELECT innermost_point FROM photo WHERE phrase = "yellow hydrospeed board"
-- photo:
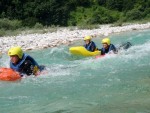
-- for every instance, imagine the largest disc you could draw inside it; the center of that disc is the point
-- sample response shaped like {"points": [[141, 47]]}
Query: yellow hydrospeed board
{"points": [[80, 50]]}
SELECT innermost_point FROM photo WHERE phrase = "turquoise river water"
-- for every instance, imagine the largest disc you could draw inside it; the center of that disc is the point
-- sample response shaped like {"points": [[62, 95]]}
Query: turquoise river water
{"points": [[113, 84]]}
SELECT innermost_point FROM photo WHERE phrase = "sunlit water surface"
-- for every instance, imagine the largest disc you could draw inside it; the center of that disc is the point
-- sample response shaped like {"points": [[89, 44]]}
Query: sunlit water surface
{"points": [[113, 84]]}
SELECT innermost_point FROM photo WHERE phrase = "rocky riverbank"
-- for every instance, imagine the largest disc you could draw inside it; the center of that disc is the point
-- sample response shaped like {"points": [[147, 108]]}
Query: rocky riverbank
{"points": [[62, 36]]}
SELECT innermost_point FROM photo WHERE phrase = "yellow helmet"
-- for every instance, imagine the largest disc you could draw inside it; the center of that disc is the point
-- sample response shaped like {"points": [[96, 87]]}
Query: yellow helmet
{"points": [[106, 40], [16, 51], [87, 38]]}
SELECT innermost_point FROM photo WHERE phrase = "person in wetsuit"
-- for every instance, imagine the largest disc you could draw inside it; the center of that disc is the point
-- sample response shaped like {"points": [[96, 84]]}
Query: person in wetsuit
{"points": [[89, 45], [107, 47], [22, 62]]}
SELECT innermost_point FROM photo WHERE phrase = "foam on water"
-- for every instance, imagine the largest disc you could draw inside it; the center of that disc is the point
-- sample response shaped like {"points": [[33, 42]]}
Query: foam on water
{"points": [[112, 84]]}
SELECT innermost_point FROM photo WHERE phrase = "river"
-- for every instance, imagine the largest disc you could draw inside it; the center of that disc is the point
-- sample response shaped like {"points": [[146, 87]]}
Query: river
{"points": [[112, 84]]}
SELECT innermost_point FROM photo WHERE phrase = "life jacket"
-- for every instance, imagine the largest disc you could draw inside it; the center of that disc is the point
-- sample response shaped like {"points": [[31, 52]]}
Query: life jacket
{"points": [[88, 47], [17, 67], [111, 47]]}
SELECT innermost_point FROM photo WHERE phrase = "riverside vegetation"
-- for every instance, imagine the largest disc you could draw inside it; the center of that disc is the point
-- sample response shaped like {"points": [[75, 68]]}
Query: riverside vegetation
{"points": [[20, 15]]}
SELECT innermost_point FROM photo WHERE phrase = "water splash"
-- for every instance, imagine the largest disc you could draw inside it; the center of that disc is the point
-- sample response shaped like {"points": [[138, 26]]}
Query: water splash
{"points": [[112, 84]]}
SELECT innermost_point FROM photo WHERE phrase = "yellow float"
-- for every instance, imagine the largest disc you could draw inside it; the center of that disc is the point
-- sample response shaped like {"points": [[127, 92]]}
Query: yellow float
{"points": [[82, 51]]}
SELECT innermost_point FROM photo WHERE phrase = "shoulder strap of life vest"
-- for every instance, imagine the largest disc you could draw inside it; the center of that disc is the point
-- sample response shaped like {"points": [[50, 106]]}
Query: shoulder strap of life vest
{"points": [[88, 48], [110, 47]]}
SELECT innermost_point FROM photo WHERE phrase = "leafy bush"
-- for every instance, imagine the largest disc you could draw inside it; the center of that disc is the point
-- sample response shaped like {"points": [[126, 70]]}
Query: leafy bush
{"points": [[70, 12], [147, 13], [134, 14], [38, 26], [30, 21], [10, 24], [2, 32], [93, 15]]}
